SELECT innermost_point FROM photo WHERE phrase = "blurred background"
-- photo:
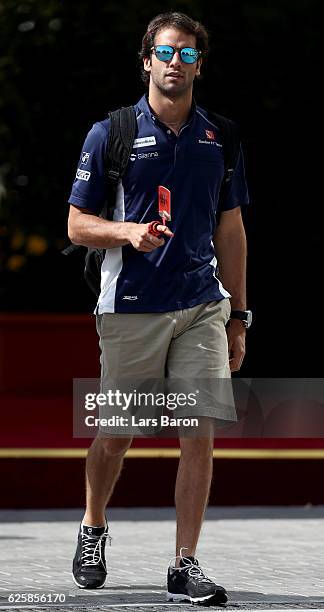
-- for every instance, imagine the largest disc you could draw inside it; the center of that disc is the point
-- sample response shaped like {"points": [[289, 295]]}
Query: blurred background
{"points": [[63, 66]]}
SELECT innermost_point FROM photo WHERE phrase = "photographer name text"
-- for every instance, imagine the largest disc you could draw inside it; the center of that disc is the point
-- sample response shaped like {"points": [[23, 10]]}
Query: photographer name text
{"points": [[133, 421]]}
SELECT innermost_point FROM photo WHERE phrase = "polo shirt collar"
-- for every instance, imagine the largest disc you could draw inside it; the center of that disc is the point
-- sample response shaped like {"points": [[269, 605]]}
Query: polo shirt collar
{"points": [[143, 105]]}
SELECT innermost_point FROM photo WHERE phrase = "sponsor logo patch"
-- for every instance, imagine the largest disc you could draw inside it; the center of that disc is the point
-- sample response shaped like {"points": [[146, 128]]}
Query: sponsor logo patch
{"points": [[210, 134], [83, 175], [130, 297], [209, 142], [85, 157], [151, 155], [147, 141]]}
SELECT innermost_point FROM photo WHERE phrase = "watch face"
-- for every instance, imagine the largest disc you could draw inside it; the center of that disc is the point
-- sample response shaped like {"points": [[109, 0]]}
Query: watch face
{"points": [[248, 318]]}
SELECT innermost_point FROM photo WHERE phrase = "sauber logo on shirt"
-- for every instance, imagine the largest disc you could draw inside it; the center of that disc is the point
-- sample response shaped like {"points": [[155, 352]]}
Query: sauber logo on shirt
{"points": [[211, 140], [148, 141], [85, 157], [83, 175]]}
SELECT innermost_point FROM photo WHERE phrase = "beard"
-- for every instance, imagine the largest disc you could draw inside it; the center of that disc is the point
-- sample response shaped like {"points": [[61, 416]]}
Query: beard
{"points": [[172, 90]]}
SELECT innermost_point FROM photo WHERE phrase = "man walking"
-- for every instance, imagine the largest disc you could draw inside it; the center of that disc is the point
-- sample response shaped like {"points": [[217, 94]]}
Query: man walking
{"points": [[162, 309]]}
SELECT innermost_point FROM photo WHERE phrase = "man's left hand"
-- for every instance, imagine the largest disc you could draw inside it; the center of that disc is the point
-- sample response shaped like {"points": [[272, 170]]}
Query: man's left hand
{"points": [[236, 333]]}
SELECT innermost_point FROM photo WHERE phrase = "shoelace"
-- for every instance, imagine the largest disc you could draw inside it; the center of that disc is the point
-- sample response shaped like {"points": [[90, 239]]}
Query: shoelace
{"points": [[193, 570], [91, 548]]}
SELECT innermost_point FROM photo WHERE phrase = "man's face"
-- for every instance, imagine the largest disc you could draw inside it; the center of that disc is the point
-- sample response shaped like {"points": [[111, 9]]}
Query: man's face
{"points": [[173, 78]]}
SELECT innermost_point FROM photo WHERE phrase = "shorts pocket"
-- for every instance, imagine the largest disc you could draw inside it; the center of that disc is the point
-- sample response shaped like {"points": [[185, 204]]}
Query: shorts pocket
{"points": [[227, 309]]}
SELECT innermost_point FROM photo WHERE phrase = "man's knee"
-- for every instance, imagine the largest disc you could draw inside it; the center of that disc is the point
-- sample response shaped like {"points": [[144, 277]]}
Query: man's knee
{"points": [[114, 447], [201, 441], [197, 447]]}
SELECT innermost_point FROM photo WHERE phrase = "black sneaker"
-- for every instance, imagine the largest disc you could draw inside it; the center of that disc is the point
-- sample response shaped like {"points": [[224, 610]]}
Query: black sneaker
{"points": [[189, 583], [89, 564]]}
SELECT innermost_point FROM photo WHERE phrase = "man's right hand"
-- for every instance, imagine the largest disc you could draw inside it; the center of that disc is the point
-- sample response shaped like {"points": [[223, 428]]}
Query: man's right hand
{"points": [[142, 240], [86, 228]]}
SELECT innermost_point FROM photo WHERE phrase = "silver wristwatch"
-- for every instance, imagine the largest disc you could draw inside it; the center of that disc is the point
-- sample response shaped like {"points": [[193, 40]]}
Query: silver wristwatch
{"points": [[243, 315]]}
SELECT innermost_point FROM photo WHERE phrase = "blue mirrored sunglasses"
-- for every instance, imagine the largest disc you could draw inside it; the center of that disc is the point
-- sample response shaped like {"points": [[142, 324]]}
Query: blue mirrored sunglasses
{"points": [[165, 53]]}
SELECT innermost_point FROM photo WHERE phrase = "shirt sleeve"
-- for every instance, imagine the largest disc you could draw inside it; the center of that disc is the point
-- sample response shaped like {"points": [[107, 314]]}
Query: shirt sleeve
{"points": [[236, 193], [89, 186]]}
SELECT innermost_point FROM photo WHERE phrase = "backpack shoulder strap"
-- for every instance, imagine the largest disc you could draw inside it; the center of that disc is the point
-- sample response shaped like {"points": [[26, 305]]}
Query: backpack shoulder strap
{"points": [[120, 142], [117, 154], [231, 142]]}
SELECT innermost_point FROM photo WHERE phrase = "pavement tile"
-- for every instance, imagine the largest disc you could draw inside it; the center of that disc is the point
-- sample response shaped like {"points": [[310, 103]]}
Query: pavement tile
{"points": [[273, 559]]}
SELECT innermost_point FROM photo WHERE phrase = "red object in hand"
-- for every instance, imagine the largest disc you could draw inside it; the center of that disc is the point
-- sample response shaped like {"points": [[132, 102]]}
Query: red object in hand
{"points": [[152, 228], [164, 203]]}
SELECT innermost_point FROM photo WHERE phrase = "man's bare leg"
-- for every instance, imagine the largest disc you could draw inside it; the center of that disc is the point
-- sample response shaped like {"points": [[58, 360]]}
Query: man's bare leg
{"points": [[192, 489], [103, 467]]}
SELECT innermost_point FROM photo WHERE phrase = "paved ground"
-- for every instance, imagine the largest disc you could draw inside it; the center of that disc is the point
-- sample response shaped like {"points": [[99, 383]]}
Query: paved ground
{"points": [[266, 558]]}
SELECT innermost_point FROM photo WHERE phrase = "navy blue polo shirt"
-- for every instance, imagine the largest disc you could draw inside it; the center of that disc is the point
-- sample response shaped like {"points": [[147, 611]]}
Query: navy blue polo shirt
{"points": [[180, 274]]}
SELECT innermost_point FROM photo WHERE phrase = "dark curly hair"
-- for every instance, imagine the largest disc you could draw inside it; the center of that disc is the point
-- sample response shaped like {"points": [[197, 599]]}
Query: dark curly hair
{"points": [[180, 21]]}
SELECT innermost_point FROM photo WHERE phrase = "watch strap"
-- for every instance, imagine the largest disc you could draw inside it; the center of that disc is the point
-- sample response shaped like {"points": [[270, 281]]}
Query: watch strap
{"points": [[239, 314]]}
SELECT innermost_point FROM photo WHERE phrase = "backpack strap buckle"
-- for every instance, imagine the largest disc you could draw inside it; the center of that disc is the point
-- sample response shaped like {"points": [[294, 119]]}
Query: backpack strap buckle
{"points": [[229, 174], [113, 175]]}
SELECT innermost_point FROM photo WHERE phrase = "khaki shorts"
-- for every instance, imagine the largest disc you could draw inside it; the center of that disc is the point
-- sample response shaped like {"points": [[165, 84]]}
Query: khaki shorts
{"points": [[184, 347]]}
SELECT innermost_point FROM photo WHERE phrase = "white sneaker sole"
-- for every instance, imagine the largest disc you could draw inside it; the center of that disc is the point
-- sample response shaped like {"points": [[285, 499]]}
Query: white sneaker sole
{"points": [[81, 586], [193, 600]]}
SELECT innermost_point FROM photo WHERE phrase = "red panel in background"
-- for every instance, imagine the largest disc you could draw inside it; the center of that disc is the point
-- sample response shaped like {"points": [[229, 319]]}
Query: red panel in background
{"points": [[39, 357], [40, 354], [30, 421], [59, 483]]}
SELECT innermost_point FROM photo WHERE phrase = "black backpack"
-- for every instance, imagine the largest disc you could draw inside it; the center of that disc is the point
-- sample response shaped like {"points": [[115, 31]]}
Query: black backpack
{"points": [[118, 151]]}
